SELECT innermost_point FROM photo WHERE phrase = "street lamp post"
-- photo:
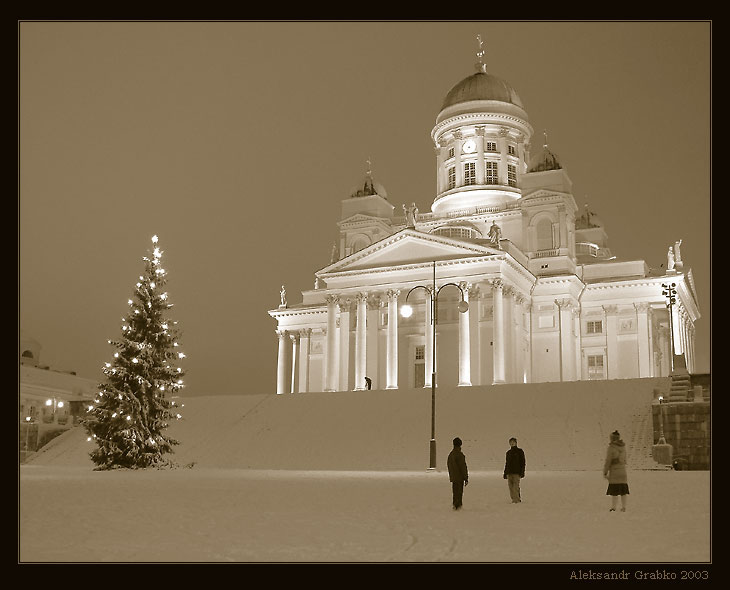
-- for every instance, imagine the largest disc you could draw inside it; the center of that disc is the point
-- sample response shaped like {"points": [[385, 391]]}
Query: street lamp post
{"points": [[406, 311], [670, 293]]}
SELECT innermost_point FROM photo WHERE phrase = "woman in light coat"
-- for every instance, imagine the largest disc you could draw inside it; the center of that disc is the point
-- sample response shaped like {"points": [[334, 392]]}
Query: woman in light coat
{"points": [[614, 470]]}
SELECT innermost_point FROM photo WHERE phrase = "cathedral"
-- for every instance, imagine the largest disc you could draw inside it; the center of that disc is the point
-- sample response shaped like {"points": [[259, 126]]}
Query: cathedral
{"points": [[505, 280]]}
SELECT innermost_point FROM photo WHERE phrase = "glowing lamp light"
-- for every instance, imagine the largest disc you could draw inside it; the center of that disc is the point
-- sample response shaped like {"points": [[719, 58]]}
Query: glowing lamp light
{"points": [[406, 311], [49, 402], [60, 404], [154, 239], [27, 418]]}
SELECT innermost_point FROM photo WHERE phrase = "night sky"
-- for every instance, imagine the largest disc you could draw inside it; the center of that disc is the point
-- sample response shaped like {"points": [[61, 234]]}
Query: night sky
{"points": [[235, 142]]}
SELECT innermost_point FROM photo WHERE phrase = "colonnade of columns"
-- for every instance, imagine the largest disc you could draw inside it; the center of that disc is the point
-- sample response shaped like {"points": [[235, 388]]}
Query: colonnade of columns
{"points": [[336, 370], [511, 344]]}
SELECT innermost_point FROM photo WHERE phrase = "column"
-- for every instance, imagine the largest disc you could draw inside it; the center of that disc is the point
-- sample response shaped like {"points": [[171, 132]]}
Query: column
{"points": [[519, 372], [642, 338], [475, 304], [428, 338], [564, 331], [577, 364], [304, 336], [294, 336], [281, 363], [612, 368], [360, 341], [464, 342], [392, 345], [440, 169], [372, 370], [458, 163], [650, 325], [509, 333], [528, 348], [330, 360], [498, 338], [480, 155], [344, 307]]}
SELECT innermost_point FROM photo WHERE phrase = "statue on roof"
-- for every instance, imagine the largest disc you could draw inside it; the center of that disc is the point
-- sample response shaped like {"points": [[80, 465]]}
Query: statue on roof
{"points": [[282, 295], [410, 213], [670, 259], [677, 256], [334, 255], [495, 234]]}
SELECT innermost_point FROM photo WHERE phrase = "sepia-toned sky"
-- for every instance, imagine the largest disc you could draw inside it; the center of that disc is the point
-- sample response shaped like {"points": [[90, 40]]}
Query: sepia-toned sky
{"points": [[235, 143]]}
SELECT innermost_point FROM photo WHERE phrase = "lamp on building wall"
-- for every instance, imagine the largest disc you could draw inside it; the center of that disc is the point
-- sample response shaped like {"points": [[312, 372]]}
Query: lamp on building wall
{"points": [[407, 311], [670, 294]]}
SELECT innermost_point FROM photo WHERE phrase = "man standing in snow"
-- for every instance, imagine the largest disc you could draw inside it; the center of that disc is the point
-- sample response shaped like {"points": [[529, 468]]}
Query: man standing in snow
{"points": [[458, 473], [514, 469]]}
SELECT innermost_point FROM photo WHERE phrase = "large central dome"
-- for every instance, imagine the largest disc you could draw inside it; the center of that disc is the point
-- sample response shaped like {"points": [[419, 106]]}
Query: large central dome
{"points": [[482, 86]]}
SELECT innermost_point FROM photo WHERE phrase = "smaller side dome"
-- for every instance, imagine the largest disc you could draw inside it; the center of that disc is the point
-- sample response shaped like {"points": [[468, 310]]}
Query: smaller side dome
{"points": [[547, 160], [369, 187]]}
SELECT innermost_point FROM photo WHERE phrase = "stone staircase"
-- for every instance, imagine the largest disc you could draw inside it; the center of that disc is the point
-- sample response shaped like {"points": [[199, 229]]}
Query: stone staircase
{"points": [[679, 390], [639, 451]]}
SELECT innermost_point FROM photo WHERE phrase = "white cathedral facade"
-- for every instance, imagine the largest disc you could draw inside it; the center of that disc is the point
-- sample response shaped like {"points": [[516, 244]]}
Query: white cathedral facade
{"points": [[547, 301]]}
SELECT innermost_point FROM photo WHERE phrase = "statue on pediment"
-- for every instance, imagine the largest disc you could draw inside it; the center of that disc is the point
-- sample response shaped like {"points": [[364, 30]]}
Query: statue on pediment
{"points": [[677, 256], [494, 235], [282, 295], [410, 213]]}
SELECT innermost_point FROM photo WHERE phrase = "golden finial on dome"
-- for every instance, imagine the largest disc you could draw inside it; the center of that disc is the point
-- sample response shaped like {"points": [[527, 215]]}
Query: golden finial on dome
{"points": [[480, 65]]}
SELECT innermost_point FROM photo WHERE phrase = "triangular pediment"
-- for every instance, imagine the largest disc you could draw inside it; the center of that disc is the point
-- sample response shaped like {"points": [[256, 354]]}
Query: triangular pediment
{"points": [[360, 218], [408, 246]]}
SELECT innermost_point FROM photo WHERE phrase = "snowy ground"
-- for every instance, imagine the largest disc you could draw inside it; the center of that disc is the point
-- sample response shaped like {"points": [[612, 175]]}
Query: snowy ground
{"points": [[74, 514]]}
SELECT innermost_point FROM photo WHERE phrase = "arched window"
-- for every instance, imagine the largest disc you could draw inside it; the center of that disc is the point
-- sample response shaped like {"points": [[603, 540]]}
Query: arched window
{"points": [[358, 244], [544, 234], [459, 232]]}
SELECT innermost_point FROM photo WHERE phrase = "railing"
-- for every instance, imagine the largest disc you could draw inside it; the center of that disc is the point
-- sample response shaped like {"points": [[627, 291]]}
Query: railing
{"points": [[546, 253]]}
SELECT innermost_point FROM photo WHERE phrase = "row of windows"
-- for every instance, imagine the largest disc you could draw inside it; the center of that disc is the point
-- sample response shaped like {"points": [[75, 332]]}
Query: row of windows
{"points": [[489, 146], [491, 175]]}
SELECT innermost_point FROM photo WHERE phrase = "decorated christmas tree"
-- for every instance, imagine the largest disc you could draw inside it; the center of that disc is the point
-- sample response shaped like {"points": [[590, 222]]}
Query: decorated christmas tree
{"points": [[135, 402]]}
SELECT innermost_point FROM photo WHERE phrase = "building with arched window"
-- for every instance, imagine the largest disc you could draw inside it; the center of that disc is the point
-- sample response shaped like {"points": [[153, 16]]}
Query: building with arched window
{"points": [[49, 401], [547, 300]]}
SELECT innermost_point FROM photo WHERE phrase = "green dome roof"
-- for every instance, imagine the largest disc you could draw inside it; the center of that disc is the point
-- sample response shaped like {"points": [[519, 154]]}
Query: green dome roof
{"points": [[482, 86]]}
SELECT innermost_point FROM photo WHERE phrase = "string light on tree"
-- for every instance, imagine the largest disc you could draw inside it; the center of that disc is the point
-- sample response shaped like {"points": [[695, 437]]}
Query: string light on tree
{"points": [[128, 426]]}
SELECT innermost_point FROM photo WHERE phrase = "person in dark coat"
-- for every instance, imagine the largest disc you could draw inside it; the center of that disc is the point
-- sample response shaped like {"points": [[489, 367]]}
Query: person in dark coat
{"points": [[514, 470], [368, 382], [458, 473], [614, 470]]}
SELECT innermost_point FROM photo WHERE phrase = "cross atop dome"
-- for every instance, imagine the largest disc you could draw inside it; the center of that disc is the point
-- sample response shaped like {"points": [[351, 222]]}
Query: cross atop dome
{"points": [[480, 65]]}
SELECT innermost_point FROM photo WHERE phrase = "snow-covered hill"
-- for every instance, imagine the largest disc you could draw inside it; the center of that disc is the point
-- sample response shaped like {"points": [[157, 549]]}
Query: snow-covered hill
{"points": [[561, 426]]}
